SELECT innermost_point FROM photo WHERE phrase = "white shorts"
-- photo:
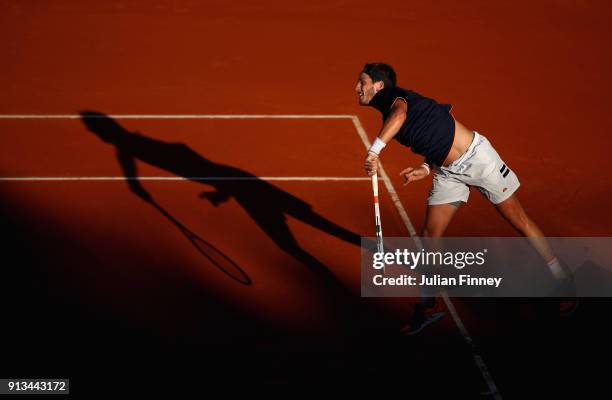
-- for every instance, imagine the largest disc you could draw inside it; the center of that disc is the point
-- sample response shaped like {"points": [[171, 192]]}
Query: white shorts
{"points": [[480, 166]]}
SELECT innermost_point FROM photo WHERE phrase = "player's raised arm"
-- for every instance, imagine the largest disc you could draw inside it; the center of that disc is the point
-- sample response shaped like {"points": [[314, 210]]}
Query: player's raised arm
{"points": [[390, 128]]}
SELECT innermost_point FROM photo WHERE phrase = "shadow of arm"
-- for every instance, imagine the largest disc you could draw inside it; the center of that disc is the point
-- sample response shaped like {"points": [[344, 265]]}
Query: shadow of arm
{"points": [[128, 165]]}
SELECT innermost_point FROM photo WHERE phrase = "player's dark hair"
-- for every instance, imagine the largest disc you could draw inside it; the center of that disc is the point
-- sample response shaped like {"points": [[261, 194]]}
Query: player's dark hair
{"points": [[381, 72]]}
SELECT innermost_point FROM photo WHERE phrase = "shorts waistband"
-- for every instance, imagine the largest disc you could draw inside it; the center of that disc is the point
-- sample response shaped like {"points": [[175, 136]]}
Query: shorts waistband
{"points": [[469, 152]]}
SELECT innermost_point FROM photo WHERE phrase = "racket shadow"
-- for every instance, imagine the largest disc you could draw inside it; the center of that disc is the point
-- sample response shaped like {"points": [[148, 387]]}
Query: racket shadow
{"points": [[216, 257]]}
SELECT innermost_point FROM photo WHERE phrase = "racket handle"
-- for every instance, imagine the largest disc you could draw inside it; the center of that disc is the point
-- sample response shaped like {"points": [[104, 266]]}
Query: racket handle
{"points": [[375, 187]]}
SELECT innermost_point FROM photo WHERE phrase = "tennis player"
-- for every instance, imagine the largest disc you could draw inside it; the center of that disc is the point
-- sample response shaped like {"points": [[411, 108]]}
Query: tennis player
{"points": [[458, 157]]}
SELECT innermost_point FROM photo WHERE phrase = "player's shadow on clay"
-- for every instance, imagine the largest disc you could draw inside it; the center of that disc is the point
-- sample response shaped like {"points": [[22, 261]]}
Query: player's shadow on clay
{"points": [[267, 205]]}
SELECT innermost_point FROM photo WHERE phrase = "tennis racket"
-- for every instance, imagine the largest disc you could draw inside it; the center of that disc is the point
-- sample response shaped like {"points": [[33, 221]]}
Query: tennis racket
{"points": [[214, 255], [379, 237]]}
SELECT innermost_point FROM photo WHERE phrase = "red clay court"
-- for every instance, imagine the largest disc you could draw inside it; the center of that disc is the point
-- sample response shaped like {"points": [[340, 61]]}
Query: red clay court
{"points": [[243, 127]]}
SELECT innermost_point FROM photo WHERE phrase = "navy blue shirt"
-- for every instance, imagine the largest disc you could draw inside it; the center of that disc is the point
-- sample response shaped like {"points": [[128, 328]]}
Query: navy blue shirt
{"points": [[429, 129]]}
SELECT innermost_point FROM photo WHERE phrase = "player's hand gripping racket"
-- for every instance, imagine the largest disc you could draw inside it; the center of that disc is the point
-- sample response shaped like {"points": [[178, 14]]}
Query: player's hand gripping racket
{"points": [[214, 255], [379, 237]]}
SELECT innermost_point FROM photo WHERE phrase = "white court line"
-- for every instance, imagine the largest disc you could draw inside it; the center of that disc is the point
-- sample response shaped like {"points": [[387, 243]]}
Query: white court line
{"points": [[177, 116], [484, 370], [179, 178], [181, 116]]}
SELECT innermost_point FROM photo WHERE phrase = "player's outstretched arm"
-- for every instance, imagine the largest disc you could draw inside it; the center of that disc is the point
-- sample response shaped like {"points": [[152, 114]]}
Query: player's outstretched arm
{"points": [[395, 120], [391, 127]]}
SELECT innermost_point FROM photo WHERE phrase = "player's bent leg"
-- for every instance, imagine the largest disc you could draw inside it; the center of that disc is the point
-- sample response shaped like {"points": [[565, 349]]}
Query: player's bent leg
{"points": [[438, 217], [446, 194], [428, 310]]}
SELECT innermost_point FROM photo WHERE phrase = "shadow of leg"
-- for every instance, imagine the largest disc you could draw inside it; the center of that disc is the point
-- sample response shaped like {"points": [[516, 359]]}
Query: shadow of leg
{"points": [[290, 246], [318, 221]]}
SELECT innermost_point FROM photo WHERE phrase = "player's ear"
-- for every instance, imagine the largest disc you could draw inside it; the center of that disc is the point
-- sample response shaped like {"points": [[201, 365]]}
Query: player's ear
{"points": [[380, 85]]}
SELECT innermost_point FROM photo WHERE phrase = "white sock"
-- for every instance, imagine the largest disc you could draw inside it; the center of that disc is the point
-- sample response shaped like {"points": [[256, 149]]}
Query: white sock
{"points": [[555, 268]]}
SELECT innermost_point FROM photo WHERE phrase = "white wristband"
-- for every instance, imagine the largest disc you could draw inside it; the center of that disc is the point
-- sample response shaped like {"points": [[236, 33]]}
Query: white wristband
{"points": [[377, 146], [426, 166]]}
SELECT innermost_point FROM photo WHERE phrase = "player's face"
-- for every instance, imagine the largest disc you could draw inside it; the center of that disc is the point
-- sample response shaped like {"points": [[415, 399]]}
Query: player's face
{"points": [[366, 89]]}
